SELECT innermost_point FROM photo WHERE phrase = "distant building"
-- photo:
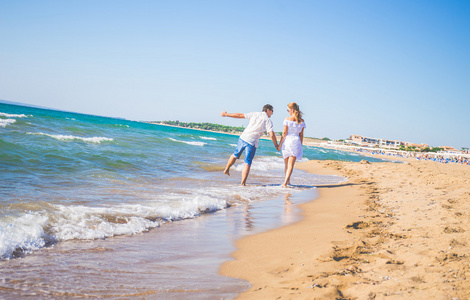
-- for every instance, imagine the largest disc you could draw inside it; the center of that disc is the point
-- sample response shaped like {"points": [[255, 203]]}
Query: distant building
{"points": [[449, 149], [363, 141], [373, 142]]}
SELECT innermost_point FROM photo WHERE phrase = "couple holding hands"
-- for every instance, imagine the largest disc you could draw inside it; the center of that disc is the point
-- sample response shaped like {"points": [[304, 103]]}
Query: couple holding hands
{"points": [[290, 144]]}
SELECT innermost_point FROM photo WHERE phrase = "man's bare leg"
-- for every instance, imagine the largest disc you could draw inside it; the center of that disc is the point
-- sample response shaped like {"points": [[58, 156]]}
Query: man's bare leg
{"points": [[245, 172], [230, 163]]}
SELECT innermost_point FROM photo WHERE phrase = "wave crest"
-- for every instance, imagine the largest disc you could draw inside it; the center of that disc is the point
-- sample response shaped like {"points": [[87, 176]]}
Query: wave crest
{"points": [[189, 143], [13, 115], [208, 138], [61, 137], [5, 122]]}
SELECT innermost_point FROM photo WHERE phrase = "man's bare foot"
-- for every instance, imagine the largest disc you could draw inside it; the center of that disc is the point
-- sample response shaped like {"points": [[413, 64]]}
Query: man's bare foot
{"points": [[227, 172]]}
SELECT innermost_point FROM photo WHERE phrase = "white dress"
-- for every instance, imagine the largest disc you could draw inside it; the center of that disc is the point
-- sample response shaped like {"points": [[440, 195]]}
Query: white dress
{"points": [[292, 145]]}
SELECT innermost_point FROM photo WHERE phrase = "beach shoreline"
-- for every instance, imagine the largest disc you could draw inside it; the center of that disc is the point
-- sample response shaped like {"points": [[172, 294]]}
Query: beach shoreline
{"points": [[390, 154], [395, 230]]}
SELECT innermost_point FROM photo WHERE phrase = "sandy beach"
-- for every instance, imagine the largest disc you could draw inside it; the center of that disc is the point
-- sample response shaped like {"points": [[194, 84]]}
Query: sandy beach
{"points": [[393, 231]]}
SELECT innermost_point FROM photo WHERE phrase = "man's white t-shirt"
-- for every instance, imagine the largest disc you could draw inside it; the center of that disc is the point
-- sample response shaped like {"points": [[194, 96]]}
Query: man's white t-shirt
{"points": [[259, 123]]}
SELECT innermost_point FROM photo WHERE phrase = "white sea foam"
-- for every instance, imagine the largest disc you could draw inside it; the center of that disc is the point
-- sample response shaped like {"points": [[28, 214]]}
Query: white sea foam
{"points": [[12, 115], [25, 234], [60, 137], [6, 122], [84, 223], [189, 142], [208, 138]]}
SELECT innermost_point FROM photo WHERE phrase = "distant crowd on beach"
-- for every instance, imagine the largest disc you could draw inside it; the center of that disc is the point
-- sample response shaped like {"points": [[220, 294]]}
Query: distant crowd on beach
{"points": [[438, 157]]}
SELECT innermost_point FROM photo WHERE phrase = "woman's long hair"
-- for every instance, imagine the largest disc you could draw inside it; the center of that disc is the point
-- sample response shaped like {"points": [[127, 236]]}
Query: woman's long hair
{"points": [[297, 113]]}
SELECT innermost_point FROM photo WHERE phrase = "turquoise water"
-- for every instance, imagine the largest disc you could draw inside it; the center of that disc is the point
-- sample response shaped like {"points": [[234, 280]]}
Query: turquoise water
{"points": [[73, 178]]}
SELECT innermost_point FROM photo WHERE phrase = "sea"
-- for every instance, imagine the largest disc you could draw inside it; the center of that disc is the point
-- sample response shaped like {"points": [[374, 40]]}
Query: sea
{"points": [[99, 207]]}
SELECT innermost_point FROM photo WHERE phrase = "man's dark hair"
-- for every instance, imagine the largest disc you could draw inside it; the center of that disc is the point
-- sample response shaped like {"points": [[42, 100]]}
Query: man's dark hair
{"points": [[267, 106]]}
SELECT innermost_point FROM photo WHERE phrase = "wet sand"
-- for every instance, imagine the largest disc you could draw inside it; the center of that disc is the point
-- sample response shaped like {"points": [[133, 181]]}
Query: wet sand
{"points": [[394, 231]]}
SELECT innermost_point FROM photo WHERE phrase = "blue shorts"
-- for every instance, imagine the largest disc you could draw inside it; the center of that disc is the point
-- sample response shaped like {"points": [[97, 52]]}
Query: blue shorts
{"points": [[250, 151]]}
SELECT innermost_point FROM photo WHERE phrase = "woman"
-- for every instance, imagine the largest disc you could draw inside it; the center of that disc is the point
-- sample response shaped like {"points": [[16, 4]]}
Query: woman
{"points": [[292, 140]]}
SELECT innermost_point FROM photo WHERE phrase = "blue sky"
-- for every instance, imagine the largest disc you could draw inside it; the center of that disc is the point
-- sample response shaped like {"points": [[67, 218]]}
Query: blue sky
{"points": [[387, 69]]}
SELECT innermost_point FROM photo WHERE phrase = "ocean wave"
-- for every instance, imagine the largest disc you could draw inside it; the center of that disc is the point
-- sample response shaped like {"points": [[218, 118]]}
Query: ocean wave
{"points": [[208, 138], [60, 137], [22, 235], [84, 223], [189, 143], [33, 231], [5, 122], [13, 115]]}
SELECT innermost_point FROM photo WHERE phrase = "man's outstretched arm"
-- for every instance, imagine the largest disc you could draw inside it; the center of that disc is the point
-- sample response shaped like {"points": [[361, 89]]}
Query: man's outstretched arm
{"points": [[232, 115]]}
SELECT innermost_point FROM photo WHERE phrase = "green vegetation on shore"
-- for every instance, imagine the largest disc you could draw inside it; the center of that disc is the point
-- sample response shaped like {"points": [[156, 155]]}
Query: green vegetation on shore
{"points": [[205, 126]]}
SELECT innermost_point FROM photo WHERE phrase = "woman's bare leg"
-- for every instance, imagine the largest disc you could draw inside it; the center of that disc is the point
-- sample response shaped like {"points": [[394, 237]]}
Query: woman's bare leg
{"points": [[290, 162]]}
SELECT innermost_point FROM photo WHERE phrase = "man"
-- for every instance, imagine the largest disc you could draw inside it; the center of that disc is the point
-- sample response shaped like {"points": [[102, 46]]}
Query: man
{"points": [[259, 123]]}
